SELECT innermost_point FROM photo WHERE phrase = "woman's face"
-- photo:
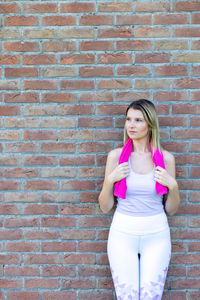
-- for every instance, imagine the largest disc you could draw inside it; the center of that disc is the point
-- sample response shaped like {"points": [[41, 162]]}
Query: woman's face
{"points": [[135, 125]]}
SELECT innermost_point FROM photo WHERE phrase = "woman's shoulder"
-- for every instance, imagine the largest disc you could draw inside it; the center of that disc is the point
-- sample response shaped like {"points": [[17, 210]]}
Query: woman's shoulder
{"points": [[115, 154], [168, 156]]}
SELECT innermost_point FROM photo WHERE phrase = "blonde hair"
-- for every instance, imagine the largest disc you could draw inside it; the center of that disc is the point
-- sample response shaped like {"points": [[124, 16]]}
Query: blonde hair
{"points": [[149, 112]]}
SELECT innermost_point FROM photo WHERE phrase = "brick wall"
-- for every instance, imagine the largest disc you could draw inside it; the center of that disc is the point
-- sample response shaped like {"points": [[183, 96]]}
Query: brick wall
{"points": [[68, 70]]}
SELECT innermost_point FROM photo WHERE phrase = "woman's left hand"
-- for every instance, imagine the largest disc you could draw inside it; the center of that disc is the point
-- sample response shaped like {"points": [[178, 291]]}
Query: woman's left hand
{"points": [[164, 178]]}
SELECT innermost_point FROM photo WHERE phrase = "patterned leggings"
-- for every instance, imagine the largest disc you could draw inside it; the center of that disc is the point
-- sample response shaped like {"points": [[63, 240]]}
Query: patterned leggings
{"points": [[139, 251]]}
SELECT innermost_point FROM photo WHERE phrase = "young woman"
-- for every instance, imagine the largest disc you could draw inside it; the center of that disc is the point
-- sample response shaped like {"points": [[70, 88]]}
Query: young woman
{"points": [[142, 176]]}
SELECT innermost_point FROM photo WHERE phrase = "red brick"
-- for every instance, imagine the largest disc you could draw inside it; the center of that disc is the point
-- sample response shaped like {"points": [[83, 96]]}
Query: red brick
{"points": [[52, 271], [133, 71], [39, 59], [40, 209], [194, 146], [186, 32], [152, 58], [77, 160], [115, 33], [77, 84], [114, 84], [186, 6], [21, 222], [185, 108], [92, 246], [96, 46], [194, 247], [77, 283], [21, 172], [41, 283], [25, 295], [94, 221], [40, 84], [77, 33], [20, 147], [76, 135], [20, 21], [185, 283], [58, 46], [10, 234], [40, 8], [40, 259], [22, 247], [58, 197], [77, 109], [9, 110], [151, 32], [9, 185], [22, 271], [77, 209], [58, 20], [40, 135], [21, 72], [185, 234], [68, 59], [171, 19], [115, 58], [39, 160], [10, 283], [9, 259], [58, 147], [58, 247], [58, 222], [97, 295], [104, 283], [58, 97], [96, 20], [59, 295], [78, 259], [6, 59], [173, 96], [95, 71], [133, 19], [21, 197], [194, 196], [149, 6], [22, 97], [41, 235], [6, 8], [185, 134], [77, 185], [96, 97], [6, 209], [133, 45], [177, 70], [21, 46], [77, 234], [76, 7], [40, 110]]}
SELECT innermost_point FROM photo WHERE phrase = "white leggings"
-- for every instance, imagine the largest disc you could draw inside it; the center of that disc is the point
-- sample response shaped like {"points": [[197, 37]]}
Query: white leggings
{"points": [[139, 251]]}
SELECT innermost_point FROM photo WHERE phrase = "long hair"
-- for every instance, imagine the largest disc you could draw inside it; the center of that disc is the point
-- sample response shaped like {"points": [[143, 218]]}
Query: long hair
{"points": [[149, 112]]}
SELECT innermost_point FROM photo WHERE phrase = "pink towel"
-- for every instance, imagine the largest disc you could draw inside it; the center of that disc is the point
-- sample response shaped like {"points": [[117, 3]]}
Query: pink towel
{"points": [[157, 156]]}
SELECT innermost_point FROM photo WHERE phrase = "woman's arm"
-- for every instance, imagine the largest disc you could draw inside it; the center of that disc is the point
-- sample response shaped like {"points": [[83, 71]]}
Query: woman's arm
{"points": [[113, 173], [167, 177]]}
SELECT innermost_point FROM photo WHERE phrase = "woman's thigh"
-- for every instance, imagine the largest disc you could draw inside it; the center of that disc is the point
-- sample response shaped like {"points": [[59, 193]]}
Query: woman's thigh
{"points": [[154, 261], [124, 264]]}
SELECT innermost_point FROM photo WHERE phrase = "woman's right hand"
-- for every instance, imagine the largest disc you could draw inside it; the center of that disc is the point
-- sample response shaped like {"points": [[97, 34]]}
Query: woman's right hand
{"points": [[120, 172]]}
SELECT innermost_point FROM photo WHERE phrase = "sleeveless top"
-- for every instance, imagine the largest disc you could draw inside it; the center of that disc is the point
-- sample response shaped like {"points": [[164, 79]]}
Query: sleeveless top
{"points": [[141, 196]]}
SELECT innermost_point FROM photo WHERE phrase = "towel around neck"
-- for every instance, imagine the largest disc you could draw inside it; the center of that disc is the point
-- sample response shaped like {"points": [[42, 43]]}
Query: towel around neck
{"points": [[157, 156]]}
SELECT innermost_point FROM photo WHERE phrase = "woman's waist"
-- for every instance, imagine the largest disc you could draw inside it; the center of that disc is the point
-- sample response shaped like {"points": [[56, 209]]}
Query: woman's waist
{"points": [[139, 224]]}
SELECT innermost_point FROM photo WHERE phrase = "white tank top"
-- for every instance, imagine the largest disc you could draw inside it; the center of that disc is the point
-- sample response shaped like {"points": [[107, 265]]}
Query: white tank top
{"points": [[141, 196]]}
